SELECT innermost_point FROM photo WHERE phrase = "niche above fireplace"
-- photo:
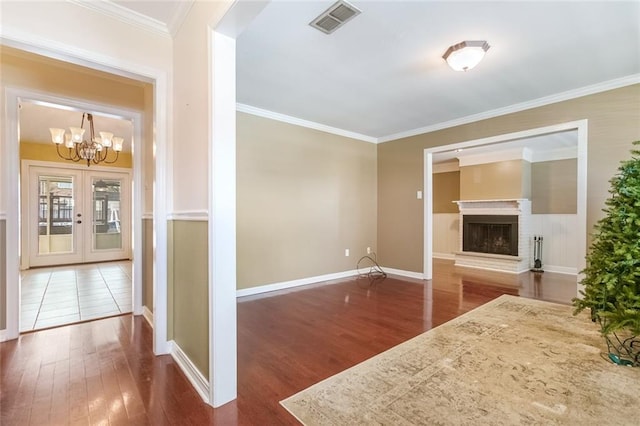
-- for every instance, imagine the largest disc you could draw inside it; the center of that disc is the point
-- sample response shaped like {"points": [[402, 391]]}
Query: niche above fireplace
{"points": [[494, 234]]}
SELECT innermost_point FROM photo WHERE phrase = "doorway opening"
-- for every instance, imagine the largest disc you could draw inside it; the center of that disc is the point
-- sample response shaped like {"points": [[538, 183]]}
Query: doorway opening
{"points": [[580, 238]]}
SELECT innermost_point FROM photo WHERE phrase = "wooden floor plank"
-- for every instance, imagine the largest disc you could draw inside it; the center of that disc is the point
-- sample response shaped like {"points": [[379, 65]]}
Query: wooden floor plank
{"points": [[103, 372]]}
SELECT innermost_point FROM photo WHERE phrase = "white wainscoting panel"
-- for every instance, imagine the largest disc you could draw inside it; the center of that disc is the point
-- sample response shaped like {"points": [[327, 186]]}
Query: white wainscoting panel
{"points": [[446, 227], [559, 241]]}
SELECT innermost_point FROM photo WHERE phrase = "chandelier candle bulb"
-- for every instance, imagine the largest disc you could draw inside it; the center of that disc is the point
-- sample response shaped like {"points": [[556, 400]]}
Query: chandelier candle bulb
{"points": [[106, 138], [57, 135]]}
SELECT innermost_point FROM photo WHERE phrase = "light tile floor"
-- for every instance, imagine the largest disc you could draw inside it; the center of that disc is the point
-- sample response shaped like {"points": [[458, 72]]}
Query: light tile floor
{"points": [[67, 294]]}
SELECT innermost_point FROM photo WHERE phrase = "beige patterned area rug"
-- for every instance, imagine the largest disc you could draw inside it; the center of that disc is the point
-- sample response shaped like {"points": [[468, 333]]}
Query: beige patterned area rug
{"points": [[511, 361]]}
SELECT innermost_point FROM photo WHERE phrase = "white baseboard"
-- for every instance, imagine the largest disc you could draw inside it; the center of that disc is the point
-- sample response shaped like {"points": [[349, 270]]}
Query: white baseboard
{"points": [[408, 274], [148, 315], [3, 335], [294, 283], [195, 377], [560, 269], [448, 256]]}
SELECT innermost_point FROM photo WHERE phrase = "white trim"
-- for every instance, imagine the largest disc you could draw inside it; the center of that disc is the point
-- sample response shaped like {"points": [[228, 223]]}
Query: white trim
{"points": [[3, 335], [303, 123], [3, 216], [400, 272], [581, 126], [547, 100], [427, 212], [179, 15], [448, 256], [294, 283], [223, 352], [125, 15], [195, 377], [560, 269], [74, 166], [148, 315], [12, 203], [189, 215], [147, 216]]}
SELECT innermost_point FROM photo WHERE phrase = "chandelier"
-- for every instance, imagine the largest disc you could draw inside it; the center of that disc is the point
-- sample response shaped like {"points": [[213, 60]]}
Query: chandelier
{"points": [[465, 55], [95, 150]]}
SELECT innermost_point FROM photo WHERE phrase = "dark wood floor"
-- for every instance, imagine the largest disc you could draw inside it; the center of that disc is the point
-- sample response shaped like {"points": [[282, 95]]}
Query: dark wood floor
{"points": [[103, 372]]}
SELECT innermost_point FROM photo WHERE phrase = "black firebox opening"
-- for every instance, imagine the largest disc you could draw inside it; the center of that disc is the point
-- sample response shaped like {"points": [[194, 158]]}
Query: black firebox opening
{"points": [[496, 234]]}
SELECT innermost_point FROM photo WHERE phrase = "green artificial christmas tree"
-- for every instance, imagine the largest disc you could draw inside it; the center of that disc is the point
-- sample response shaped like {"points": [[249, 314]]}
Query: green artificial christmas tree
{"points": [[612, 275]]}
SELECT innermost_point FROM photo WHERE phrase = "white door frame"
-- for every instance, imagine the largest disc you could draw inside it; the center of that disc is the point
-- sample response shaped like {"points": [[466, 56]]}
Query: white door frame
{"points": [[27, 236], [580, 126], [14, 96]]}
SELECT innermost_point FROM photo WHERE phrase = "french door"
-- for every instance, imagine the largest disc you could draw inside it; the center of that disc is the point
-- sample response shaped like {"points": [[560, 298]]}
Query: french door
{"points": [[78, 216]]}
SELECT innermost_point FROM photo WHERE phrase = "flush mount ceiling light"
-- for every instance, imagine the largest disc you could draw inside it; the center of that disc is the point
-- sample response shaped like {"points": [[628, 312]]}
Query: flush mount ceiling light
{"points": [[465, 55], [95, 150]]}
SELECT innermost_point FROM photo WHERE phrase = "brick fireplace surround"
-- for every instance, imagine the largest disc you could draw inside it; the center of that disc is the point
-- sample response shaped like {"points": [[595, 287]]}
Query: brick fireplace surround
{"points": [[497, 262]]}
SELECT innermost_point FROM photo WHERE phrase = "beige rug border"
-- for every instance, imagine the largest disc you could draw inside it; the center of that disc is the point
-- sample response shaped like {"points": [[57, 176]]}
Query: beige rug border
{"points": [[523, 300]]}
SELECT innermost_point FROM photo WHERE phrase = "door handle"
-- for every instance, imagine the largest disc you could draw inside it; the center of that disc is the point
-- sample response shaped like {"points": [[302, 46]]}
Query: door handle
{"points": [[78, 221]]}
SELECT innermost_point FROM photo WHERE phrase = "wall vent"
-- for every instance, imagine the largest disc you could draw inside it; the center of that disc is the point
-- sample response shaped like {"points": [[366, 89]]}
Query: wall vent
{"points": [[335, 17]]}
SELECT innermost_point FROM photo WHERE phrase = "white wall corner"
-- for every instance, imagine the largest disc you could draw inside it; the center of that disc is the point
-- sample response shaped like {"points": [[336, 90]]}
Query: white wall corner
{"points": [[195, 377]]}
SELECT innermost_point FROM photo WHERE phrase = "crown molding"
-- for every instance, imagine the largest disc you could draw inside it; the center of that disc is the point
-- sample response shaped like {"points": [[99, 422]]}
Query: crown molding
{"points": [[179, 16], [547, 100], [129, 16], [303, 123]]}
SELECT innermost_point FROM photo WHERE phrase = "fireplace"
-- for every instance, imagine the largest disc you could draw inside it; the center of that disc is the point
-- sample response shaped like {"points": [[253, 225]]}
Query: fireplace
{"points": [[495, 234]]}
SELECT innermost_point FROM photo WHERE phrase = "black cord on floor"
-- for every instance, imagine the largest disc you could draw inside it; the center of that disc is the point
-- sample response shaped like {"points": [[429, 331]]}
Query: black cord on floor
{"points": [[368, 267]]}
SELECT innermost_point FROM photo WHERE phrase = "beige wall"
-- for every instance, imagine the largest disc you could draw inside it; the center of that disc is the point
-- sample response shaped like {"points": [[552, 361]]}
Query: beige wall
{"points": [[493, 181], [187, 280], [303, 197], [554, 187], [613, 123], [446, 190]]}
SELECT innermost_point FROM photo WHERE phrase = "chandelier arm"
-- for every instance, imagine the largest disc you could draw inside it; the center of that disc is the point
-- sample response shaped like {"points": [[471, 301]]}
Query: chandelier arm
{"points": [[71, 156], [112, 161]]}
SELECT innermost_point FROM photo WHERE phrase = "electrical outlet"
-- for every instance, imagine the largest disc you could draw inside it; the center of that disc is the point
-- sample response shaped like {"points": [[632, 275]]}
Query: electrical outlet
{"points": [[346, 252], [368, 250]]}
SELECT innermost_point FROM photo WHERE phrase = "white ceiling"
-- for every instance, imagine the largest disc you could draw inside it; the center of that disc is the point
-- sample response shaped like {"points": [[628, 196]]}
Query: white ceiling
{"points": [[381, 76], [37, 118], [382, 73]]}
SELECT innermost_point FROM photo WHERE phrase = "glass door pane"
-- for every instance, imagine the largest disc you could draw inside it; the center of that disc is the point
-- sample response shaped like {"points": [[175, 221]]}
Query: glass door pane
{"points": [[55, 214], [107, 232]]}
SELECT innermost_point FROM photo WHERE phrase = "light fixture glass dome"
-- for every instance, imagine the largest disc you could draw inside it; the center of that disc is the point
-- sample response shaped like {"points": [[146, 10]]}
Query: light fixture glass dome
{"points": [[465, 55]]}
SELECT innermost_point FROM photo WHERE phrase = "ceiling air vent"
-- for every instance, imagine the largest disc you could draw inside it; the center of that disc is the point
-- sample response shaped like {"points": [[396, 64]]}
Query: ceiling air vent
{"points": [[334, 17]]}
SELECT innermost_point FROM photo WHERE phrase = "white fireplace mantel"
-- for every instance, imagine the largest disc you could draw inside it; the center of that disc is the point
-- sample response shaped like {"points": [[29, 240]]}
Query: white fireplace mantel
{"points": [[502, 206], [513, 264]]}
